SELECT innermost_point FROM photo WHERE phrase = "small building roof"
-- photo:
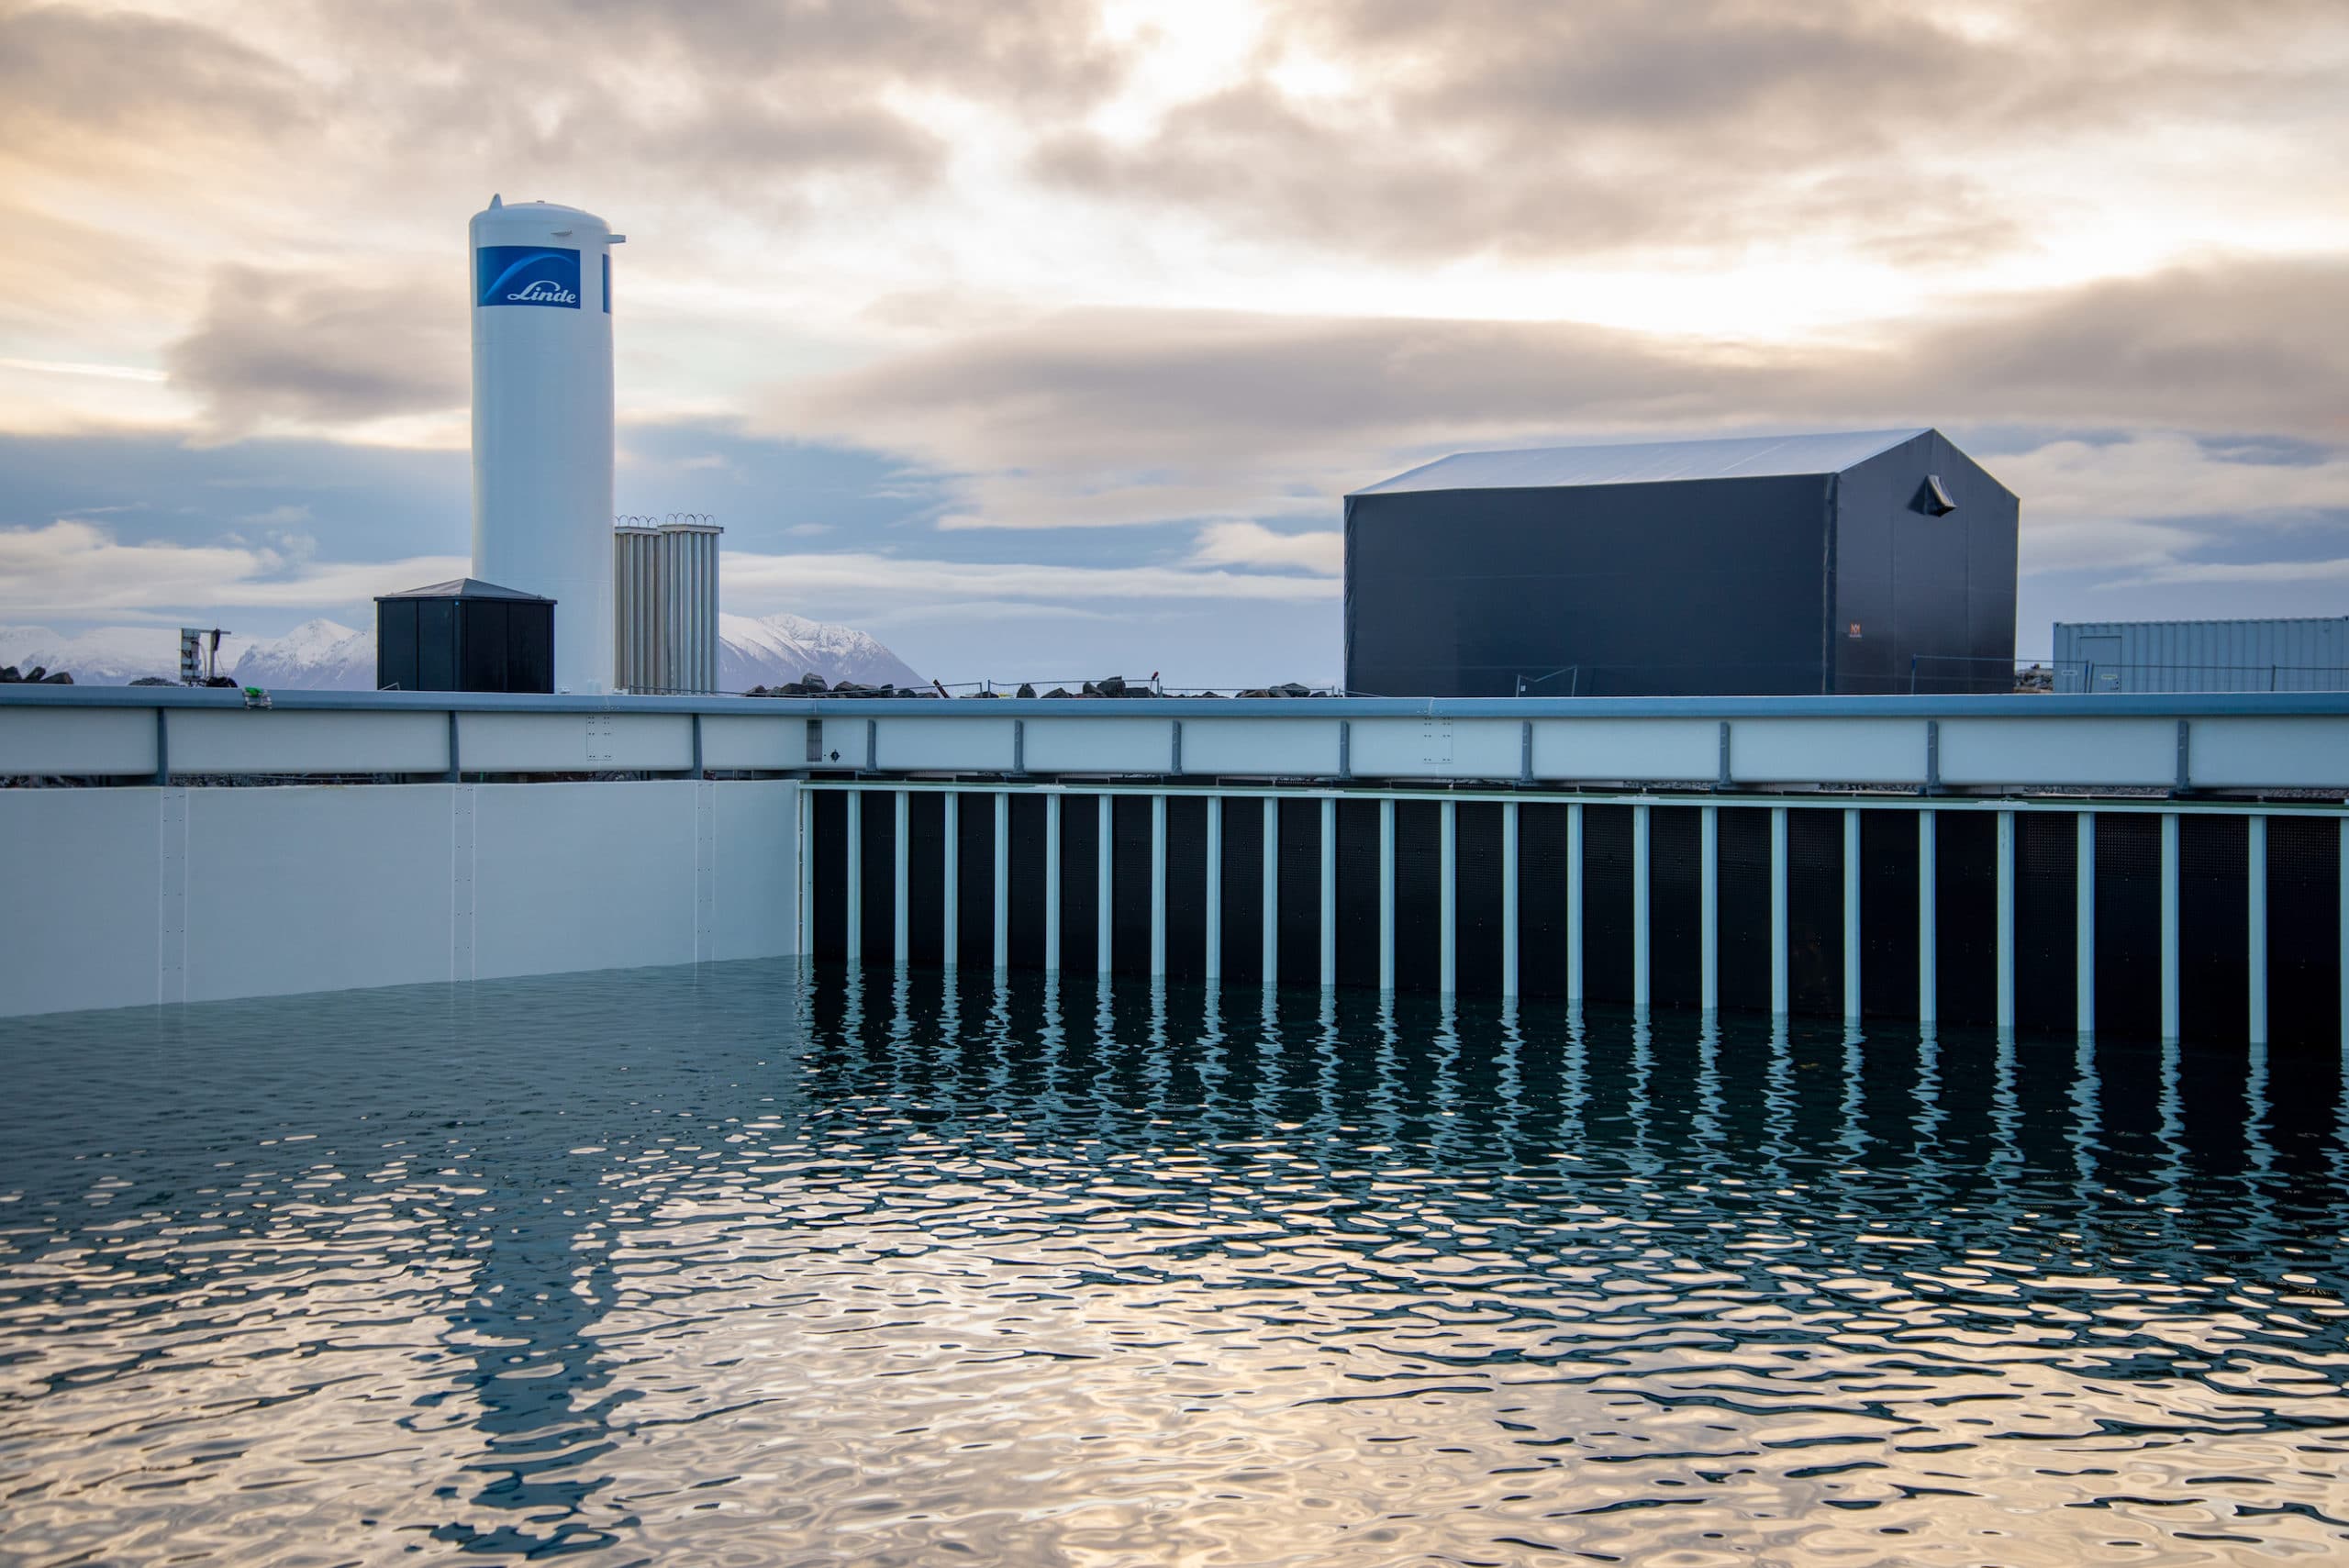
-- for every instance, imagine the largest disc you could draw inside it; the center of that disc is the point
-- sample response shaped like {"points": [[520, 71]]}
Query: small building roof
{"points": [[1649, 462], [465, 588]]}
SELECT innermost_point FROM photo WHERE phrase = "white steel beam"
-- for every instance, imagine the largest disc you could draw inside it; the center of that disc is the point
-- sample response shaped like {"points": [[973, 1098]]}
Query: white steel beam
{"points": [[1929, 986], [2005, 853], [1387, 895], [1104, 886], [806, 933], [1709, 903], [1574, 903], [2256, 829], [901, 881], [1052, 883], [1781, 945], [1272, 869], [855, 858], [1447, 900], [950, 914], [2170, 927], [1215, 889], [1157, 885], [1850, 915], [2084, 928], [1509, 897], [1329, 892], [1002, 889], [1639, 934]]}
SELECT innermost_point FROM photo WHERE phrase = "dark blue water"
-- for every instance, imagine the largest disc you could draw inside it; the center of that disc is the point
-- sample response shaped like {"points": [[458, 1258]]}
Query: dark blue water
{"points": [[731, 1267]]}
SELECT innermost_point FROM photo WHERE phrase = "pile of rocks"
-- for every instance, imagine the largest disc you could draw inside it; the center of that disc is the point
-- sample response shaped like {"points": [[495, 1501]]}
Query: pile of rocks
{"points": [[814, 686], [38, 675]]}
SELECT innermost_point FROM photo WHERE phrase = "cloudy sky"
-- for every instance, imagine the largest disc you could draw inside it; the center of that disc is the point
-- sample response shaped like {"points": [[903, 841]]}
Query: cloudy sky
{"points": [[1042, 337]]}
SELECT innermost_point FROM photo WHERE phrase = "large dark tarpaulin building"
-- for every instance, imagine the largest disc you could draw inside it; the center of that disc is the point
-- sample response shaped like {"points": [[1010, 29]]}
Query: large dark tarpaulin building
{"points": [[1879, 560]]}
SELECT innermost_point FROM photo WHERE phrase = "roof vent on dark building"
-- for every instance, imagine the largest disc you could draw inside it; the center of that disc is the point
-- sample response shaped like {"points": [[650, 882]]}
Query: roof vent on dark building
{"points": [[1933, 499]]}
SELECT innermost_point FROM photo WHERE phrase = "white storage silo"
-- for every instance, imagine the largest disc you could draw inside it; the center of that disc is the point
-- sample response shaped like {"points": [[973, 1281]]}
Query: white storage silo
{"points": [[542, 421]]}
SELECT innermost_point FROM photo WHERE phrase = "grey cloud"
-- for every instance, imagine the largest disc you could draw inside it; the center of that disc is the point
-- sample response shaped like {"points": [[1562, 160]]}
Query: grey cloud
{"points": [[278, 347], [1525, 128], [75, 85], [1147, 416]]}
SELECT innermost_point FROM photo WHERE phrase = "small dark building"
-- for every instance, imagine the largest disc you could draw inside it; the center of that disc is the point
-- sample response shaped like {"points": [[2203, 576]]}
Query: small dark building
{"points": [[1877, 561], [465, 636]]}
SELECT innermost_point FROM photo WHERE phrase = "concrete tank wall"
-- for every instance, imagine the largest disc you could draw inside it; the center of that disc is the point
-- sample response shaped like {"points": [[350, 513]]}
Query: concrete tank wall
{"points": [[135, 896]]}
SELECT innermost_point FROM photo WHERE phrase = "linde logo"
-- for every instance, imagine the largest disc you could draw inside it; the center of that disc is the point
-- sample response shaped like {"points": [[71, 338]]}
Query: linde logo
{"points": [[534, 275]]}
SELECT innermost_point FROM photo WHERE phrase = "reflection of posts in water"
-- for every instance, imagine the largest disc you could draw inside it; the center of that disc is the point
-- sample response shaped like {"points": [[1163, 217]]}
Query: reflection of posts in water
{"points": [[2084, 1086], [2172, 1129], [1855, 1138], [2007, 1163]]}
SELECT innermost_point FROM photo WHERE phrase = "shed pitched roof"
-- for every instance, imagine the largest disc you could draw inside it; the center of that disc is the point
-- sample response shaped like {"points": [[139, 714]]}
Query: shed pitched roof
{"points": [[465, 588], [1648, 463]]}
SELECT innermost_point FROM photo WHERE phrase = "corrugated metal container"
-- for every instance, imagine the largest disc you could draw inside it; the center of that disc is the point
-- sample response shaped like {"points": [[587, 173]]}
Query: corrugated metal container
{"points": [[2308, 654], [665, 604]]}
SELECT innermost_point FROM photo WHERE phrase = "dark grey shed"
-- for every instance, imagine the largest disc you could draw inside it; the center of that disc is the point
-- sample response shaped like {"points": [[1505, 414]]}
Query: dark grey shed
{"points": [[464, 636], [1865, 562]]}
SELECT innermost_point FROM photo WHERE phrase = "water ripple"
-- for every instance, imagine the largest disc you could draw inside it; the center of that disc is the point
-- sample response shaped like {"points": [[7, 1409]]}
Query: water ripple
{"points": [[754, 1266]]}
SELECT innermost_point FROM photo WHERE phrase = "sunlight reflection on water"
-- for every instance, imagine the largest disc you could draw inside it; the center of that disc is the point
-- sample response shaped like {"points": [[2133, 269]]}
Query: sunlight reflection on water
{"points": [[735, 1265]]}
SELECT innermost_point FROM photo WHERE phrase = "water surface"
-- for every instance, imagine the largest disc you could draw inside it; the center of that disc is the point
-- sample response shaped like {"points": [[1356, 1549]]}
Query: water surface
{"points": [[743, 1266]]}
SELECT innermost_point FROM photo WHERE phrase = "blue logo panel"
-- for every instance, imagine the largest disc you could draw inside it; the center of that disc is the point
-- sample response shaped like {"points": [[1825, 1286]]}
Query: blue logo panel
{"points": [[526, 274]]}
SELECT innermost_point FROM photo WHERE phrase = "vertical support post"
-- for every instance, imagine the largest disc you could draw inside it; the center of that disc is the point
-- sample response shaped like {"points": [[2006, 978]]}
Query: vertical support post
{"points": [[950, 917], [901, 881], [2170, 927], [1002, 880], [2084, 928], [1387, 895], [2255, 835], [1052, 883], [1928, 983], [164, 748], [2006, 934], [699, 772], [1851, 915], [1781, 941], [456, 775], [2341, 967], [1447, 900], [1272, 869], [1328, 891], [855, 933], [1215, 889], [806, 921], [1158, 884], [1639, 934], [1574, 903], [1104, 886], [1709, 903], [1509, 895]]}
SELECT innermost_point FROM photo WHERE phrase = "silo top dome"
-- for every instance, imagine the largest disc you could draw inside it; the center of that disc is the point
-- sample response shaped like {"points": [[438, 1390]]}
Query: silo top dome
{"points": [[540, 223]]}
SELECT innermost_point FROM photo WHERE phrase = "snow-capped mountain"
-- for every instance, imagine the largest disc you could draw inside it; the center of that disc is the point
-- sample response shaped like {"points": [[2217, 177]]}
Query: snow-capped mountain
{"points": [[786, 646], [103, 656], [325, 655], [317, 655]]}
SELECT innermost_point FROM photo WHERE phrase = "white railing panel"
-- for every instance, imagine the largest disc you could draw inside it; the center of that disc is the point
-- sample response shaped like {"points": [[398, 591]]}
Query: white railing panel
{"points": [[730, 743], [2270, 753], [572, 743], [105, 742], [976, 744], [841, 745], [264, 741], [1633, 751], [1827, 751], [2057, 750], [1261, 747], [1437, 749], [1100, 745]]}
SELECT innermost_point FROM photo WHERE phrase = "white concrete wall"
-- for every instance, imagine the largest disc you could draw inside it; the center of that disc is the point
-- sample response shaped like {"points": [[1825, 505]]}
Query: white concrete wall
{"points": [[136, 896]]}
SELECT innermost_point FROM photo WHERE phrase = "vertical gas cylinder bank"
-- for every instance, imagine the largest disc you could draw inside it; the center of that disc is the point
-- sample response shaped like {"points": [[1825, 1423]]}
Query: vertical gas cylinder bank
{"points": [[542, 421]]}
